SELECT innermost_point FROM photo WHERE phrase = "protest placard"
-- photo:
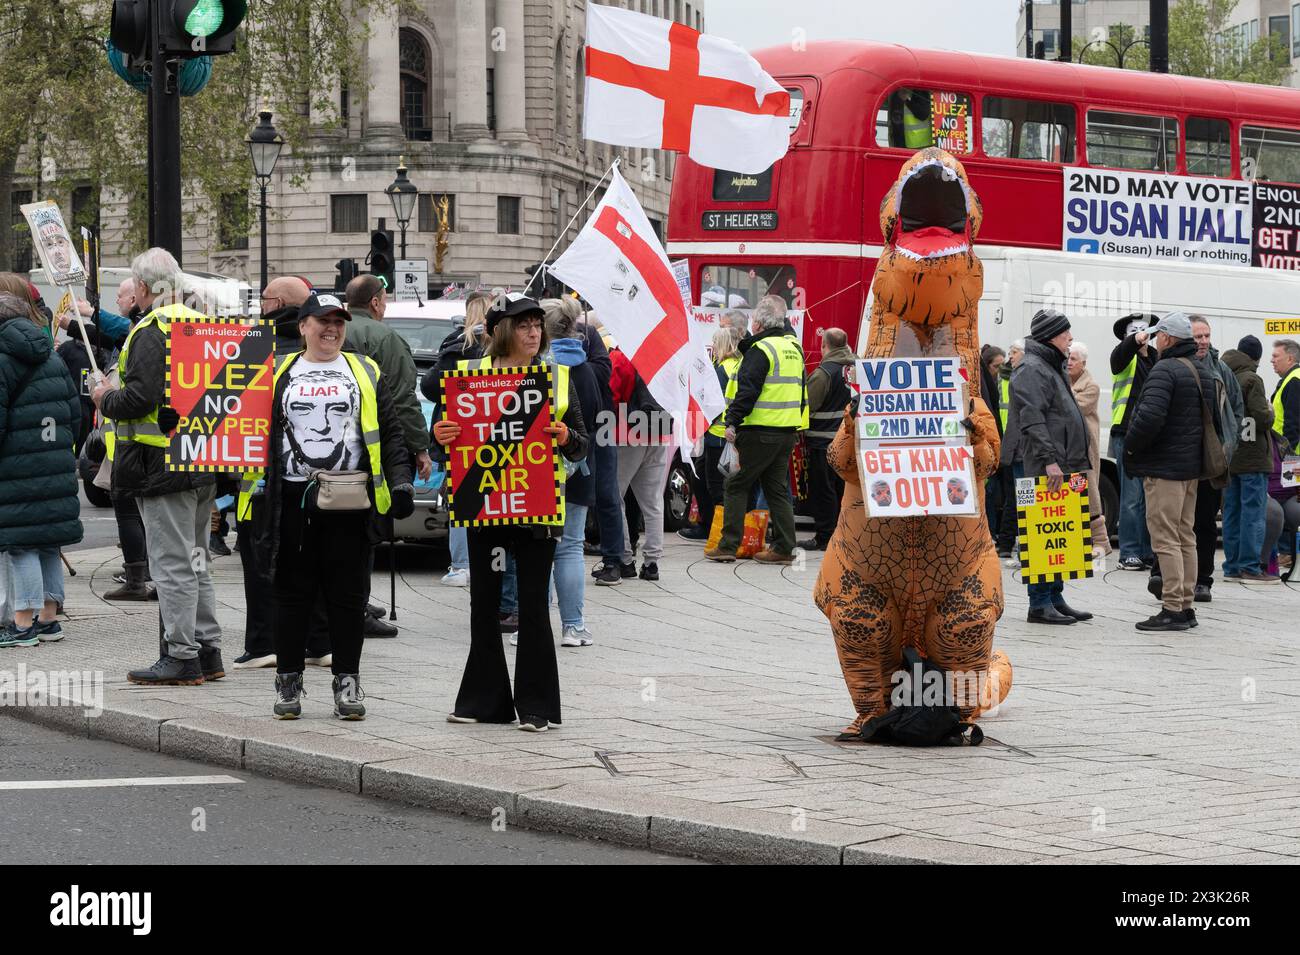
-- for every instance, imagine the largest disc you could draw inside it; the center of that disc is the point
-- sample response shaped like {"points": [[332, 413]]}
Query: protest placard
{"points": [[1055, 530], [918, 480], [53, 244], [220, 380], [504, 468], [911, 399], [1291, 471], [1276, 238]]}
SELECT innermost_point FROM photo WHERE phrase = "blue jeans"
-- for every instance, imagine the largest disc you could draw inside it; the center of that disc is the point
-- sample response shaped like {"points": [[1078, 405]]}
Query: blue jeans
{"points": [[569, 572], [1042, 596], [1244, 503], [37, 576], [1134, 538], [458, 544], [603, 458]]}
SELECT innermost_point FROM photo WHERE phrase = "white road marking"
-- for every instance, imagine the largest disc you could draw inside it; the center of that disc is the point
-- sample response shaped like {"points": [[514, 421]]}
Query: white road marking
{"points": [[126, 781]]}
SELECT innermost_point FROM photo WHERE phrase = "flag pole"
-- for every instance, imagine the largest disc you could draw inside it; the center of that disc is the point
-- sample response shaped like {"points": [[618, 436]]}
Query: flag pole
{"points": [[574, 218]]}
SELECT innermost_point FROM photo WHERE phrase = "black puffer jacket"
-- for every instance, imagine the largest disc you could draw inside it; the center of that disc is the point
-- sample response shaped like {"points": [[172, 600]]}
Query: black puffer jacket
{"points": [[141, 469], [1044, 416], [1164, 429], [38, 473], [452, 351]]}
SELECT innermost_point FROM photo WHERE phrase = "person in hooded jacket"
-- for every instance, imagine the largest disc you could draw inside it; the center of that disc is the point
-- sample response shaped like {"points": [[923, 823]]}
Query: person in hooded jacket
{"points": [[39, 505], [1246, 499], [1163, 445], [569, 573]]}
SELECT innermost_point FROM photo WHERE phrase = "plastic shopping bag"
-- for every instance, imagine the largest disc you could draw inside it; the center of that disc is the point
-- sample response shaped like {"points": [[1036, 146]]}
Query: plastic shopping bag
{"points": [[729, 461], [755, 534]]}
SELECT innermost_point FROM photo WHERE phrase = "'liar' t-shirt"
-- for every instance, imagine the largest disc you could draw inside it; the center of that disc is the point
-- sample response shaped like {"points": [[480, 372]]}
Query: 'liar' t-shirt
{"points": [[321, 411]]}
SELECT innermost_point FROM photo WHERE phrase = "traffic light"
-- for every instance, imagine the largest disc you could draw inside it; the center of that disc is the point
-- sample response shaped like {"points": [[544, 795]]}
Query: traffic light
{"points": [[346, 270], [199, 27], [129, 28], [380, 258]]}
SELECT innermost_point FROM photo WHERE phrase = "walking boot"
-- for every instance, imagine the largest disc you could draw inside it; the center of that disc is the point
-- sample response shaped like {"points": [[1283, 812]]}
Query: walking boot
{"points": [[288, 696], [135, 587], [348, 697]]}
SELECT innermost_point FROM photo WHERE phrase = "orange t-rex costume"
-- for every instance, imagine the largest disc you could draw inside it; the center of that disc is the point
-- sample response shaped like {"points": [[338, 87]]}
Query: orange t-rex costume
{"points": [[933, 583]]}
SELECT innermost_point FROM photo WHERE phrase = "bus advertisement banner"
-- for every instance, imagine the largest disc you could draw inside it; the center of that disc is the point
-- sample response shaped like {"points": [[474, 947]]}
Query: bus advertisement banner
{"points": [[911, 400], [1276, 235], [1157, 216]]}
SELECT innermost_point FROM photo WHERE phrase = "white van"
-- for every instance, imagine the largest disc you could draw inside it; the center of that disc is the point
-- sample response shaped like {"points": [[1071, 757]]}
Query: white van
{"points": [[1095, 290], [225, 297]]}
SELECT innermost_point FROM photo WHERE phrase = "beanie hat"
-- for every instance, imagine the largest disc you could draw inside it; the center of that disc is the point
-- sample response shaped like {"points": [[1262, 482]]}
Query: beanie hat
{"points": [[1047, 324], [1251, 348]]}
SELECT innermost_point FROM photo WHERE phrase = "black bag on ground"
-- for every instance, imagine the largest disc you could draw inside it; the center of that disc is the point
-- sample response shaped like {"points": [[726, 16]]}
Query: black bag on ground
{"points": [[918, 722]]}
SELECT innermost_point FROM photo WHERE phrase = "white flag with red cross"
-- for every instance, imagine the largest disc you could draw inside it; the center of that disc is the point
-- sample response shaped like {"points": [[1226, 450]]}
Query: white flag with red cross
{"points": [[662, 85], [617, 264]]}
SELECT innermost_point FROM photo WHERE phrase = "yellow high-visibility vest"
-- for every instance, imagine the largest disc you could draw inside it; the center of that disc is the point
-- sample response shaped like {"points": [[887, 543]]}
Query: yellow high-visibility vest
{"points": [[783, 402], [917, 133], [1279, 413], [366, 373], [144, 430], [730, 366], [1120, 390], [1004, 400]]}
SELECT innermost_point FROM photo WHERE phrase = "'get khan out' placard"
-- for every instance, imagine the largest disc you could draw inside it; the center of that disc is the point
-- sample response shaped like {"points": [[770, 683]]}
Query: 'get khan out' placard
{"points": [[220, 380], [1055, 530], [503, 467]]}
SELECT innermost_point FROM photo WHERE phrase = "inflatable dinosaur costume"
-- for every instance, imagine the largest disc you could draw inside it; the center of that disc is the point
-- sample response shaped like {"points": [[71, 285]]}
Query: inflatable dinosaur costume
{"points": [[933, 583]]}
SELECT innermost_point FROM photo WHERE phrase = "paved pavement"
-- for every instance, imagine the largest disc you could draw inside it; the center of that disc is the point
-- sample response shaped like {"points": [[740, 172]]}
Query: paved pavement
{"points": [[237, 817], [702, 722]]}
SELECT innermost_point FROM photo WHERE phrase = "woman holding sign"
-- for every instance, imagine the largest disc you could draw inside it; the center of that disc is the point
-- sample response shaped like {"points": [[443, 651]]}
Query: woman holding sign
{"points": [[337, 457], [516, 339]]}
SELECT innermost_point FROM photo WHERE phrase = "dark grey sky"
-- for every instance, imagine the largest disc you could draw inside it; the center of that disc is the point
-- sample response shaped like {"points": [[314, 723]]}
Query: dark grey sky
{"points": [[977, 26]]}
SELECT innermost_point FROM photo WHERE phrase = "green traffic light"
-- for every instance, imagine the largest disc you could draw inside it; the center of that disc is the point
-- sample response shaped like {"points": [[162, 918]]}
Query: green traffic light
{"points": [[205, 19]]}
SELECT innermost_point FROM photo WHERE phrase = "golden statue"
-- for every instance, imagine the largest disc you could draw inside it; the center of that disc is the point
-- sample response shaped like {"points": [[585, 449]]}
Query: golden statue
{"points": [[443, 207]]}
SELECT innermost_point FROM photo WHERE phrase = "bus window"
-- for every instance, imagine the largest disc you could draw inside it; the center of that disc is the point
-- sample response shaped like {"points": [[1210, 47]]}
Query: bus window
{"points": [[1270, 154], [1209, 147], [742, 187], [735, 286], [1132, 141], [914, 119], [1027, 129], [796, 107]]}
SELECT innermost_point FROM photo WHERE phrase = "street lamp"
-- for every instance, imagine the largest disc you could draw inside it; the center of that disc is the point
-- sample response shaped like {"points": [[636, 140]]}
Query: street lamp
{"points": [[264, 145], [402, 193]]}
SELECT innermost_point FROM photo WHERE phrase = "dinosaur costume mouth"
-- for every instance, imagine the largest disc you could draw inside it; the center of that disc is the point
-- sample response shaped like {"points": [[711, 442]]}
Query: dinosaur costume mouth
{"points": [[933, 212]]}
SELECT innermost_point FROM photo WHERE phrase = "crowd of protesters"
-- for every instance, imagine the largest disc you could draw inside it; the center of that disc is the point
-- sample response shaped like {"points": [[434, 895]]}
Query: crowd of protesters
{"points": [[1193, 435]]}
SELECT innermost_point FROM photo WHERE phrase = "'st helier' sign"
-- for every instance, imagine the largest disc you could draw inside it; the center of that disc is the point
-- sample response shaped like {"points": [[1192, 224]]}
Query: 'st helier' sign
{"points": [[759, 219], [503, 466], [220, 377]]}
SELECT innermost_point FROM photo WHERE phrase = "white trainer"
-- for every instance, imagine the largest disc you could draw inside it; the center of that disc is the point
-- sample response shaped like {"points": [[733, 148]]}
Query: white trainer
{"points": [[576, 637], [325, 661], [455, 578], [253, 663]]}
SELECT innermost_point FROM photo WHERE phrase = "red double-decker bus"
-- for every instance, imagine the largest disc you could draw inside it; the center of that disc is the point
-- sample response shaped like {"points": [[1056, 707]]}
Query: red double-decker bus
{"points": [[808, 228]]}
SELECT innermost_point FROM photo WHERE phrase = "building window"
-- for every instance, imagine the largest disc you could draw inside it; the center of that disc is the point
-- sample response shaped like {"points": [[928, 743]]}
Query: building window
{"points": [[1049, 43], [1132, 141], [1209, 147], [508, 215], [561, 120], [233, 222], [658, 227], [85, 209], [22, 235], [579, 91], [1279, 36], [492, 99], [428, 214], [413, 55], [1295, 32], [344, 113], [348, 213], [1027, 129]]}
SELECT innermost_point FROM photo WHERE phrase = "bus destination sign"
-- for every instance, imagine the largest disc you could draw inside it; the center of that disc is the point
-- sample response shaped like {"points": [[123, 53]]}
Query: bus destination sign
{"points": [[760, 219]]}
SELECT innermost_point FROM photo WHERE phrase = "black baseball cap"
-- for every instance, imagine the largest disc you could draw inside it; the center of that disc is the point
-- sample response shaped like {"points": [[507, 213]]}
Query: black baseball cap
{"points": [[512, 305], [326, 304]]}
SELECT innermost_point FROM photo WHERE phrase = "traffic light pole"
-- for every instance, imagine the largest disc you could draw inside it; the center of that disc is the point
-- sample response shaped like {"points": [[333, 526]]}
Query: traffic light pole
{"points": [[164, 144]]}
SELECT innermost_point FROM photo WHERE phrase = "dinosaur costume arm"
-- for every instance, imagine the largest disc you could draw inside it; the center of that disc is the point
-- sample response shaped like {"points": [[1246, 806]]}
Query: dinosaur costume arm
{"points": [[984, 439]]}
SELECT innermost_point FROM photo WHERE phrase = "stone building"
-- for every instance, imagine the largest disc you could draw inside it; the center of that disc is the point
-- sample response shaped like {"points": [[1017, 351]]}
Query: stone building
{"points": [[483, 99]]}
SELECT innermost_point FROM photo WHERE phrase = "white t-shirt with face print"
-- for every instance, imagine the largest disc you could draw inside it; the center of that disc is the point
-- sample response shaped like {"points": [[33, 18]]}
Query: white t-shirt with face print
{"points": [[321, 411]]}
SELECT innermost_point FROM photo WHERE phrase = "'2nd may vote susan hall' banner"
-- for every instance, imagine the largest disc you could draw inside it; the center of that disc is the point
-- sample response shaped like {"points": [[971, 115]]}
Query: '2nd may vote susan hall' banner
{"points": [[220, 377], [914, 455], [503, 466]]}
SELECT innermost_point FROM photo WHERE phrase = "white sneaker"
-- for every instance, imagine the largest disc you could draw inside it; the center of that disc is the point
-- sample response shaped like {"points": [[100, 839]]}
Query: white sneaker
{"points": [[575, 637], [455, 578], [253, 663], [325, 661]]}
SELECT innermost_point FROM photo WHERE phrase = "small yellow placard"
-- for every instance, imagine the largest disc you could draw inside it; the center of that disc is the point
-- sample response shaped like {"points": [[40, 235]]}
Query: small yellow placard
{"points": [[1055, 530], [1282, 326]]}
